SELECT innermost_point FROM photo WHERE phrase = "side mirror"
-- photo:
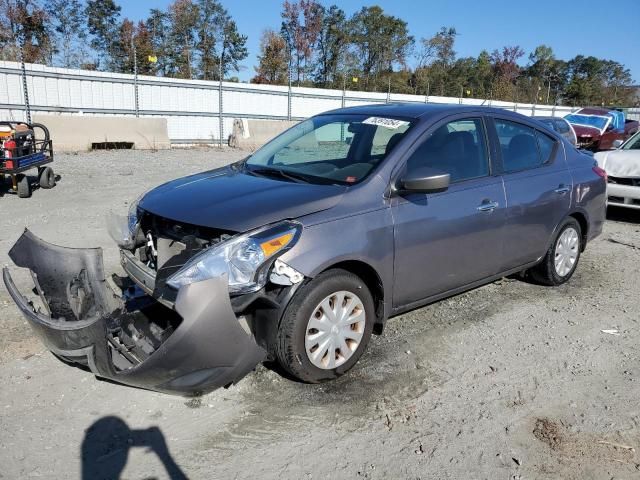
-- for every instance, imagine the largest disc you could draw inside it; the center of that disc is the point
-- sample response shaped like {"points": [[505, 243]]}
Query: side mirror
{"points": [[424, 180], [617, 143]]}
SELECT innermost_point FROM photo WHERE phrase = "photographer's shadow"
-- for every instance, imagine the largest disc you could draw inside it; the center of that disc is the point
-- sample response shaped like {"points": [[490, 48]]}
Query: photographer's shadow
{"points": [[106, 444]]}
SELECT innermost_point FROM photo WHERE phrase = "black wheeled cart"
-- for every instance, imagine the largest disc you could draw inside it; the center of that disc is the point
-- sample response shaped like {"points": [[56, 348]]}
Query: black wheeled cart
{"points": [[23, 147]]}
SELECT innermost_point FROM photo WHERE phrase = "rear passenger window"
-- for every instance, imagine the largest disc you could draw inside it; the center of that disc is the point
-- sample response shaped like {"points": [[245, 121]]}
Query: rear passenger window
{"points": [[518, 145], [457, 148], [545, 145]]}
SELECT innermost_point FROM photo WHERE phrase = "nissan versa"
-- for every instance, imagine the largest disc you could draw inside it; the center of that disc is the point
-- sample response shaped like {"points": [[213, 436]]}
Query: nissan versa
{"points": [[302, 250]]}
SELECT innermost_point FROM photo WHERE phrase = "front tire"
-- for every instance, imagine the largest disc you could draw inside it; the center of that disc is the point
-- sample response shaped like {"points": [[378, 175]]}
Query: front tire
{"points": [[326, 327], [561, 260]]}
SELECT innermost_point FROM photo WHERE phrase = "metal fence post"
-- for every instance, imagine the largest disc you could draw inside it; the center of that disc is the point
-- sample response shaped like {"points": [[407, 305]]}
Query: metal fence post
{"points": [[135, 77], [24, 80], [289, 90], [389, 91], [220, 120]]}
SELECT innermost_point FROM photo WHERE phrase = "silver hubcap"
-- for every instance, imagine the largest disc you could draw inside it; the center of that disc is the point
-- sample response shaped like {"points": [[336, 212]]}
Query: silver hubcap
{"points": [[335, 330], [567, 251]]}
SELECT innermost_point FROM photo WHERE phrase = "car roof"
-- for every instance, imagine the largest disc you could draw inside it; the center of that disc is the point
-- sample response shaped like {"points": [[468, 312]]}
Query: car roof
{"points": [[418, 110], [594, 111], [548, 118]]}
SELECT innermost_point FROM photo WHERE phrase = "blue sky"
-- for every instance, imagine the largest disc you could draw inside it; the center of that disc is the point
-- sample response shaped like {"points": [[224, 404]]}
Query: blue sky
{"points": [[567, 26]]}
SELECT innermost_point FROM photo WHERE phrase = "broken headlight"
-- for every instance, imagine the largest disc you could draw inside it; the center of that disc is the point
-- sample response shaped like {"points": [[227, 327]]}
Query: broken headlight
{"points": [[244, 258], [124, 230]]}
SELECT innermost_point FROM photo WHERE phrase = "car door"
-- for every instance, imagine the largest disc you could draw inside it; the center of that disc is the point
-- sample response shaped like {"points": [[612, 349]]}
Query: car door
{"points": [[538, 188], [453, 238]]}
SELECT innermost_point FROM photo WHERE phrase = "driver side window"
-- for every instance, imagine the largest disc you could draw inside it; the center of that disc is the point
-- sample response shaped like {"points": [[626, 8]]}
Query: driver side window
{"points": [[457, 148]]}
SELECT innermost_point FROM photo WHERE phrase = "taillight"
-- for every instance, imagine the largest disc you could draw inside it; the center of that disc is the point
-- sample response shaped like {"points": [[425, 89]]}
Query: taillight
{"points": [[600, 172]]}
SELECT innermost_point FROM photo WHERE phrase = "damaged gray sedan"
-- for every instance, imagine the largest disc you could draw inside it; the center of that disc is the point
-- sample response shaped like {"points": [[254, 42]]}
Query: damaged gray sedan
{"points": [[300, 252]]}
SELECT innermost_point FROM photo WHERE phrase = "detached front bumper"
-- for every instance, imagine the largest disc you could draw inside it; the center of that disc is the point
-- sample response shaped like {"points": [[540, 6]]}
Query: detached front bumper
{"points": [[80, 318]]}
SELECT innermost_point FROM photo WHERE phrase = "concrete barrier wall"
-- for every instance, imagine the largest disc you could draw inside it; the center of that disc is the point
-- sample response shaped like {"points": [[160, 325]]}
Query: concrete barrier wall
{"points": [[78, 133], [250, 134]]}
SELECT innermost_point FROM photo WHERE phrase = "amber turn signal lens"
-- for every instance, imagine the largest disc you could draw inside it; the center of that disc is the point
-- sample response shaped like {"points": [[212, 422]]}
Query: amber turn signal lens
{"points": [[275, 244]]}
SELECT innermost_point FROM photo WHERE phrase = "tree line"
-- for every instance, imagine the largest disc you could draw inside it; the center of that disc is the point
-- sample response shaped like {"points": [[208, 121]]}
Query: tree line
{"points": [[315, 46]]}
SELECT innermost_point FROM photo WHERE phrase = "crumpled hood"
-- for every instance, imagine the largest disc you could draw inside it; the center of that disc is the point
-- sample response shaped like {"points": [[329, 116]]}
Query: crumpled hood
{"points": [[229, 199], [581, 131], [620, 163]]}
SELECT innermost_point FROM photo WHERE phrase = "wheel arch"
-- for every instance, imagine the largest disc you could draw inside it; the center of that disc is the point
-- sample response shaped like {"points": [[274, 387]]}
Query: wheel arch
{"points": [[372, 279], [582, 219]]}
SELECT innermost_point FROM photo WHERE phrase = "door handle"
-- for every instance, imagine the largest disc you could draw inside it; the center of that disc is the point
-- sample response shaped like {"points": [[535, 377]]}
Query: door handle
{"points": [[488, 206], [562, 189]]}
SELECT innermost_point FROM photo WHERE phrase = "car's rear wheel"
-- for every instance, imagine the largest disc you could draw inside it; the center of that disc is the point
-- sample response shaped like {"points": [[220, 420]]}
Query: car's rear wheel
{"points": [[326, 327], [561, 260]]}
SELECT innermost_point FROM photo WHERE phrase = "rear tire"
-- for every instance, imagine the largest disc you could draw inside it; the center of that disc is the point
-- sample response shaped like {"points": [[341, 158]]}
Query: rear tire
{"points": [[348, 296], [561, 260], [24, 187], [46, 177]]}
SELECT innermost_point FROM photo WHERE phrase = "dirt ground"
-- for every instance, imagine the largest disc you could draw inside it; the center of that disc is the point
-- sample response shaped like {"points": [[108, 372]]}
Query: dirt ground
{"points": [[509, 381]]}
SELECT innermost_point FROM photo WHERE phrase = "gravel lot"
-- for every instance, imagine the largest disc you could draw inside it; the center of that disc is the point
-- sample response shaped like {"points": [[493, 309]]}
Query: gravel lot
{"points": [[509, 381]]}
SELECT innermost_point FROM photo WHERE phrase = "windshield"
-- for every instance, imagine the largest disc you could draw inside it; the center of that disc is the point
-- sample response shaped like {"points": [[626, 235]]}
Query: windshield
{"points": [[633, 143], [588, 120], [340, 149]]}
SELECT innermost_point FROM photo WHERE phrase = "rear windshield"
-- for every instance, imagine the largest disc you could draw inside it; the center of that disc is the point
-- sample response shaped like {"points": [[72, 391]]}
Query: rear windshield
{"points": [[588, 120], [342, 149]]}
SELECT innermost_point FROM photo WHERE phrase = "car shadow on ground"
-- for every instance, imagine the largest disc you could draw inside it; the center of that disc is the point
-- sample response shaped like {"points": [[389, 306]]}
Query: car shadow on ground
{"points": [[106, 444], [622, 214]]}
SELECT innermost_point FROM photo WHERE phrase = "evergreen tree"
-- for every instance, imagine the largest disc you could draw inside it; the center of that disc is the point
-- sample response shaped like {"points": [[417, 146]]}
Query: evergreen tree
{"points": [[333, 40], [380, 41], [103, 23]]}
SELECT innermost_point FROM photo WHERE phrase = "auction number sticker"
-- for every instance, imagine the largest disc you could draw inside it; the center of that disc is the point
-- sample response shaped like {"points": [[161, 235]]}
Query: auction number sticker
{"points": [[391, 123]]}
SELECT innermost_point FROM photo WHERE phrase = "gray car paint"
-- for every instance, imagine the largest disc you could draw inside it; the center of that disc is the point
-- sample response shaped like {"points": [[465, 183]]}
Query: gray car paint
{"points": [[375, 199], [229, 199], [416, 247]]}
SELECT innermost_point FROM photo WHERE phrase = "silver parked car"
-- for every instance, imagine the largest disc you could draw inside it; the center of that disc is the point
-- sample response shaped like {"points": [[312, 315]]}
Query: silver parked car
{"points": [[623, 169], [560, 125], [304, 249]]}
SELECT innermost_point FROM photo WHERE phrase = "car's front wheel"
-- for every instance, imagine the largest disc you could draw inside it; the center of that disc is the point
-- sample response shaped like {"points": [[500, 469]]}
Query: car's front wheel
{"points": [[561, 260], [326, 327]]}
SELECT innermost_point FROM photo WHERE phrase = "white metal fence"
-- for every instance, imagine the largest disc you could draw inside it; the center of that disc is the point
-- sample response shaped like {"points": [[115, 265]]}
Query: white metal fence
{"points": [[191, 107]]}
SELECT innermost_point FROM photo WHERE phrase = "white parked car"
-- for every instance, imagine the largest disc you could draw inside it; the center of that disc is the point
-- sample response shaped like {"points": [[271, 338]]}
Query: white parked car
{"points": [[623, 169]]}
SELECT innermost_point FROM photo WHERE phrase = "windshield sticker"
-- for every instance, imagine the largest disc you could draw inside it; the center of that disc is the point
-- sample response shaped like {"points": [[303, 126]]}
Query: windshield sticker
{"points": [[391, 123]]}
